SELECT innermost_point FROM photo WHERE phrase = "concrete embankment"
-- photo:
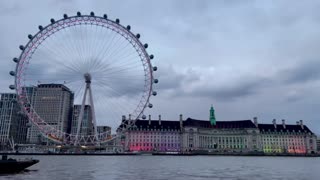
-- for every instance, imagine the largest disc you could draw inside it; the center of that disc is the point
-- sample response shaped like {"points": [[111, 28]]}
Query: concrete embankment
{"points": [[162, 154]]}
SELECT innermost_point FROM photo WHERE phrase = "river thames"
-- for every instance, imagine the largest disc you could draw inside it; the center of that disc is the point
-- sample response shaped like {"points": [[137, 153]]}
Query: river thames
{"points": [[170, 167]]}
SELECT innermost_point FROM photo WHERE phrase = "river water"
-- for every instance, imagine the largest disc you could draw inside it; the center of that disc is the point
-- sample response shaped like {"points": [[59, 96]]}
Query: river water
{"points": [[170, 167]]}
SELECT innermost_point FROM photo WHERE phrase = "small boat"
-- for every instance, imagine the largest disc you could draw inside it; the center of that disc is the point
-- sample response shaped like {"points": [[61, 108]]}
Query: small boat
{"points": [[13, 166]]}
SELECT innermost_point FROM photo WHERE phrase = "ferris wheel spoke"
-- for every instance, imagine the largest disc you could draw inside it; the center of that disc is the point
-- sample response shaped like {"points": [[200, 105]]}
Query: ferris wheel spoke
{"points": [[126, 60], [102, 43], [117, 46], [120, 92], [122, 49], [75, 36], [114, 103], [115, 97], [126, 64], [116, 43], [119, 70], [71, 46], [113, 107], [94, 41], [58, 46], [105, 47], [126, 57], [82, 43], [79, 92], [133, 77], [57, 61], [109, 48], [129, 64], [77, 50]]}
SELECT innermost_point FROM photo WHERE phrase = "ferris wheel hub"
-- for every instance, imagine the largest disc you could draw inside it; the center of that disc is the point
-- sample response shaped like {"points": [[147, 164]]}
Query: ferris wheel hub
{"points": [[87, 77]]}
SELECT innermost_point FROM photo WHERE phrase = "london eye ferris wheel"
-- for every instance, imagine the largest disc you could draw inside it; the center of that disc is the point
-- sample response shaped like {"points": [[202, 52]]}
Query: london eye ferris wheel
{"points": [[103, 63]]}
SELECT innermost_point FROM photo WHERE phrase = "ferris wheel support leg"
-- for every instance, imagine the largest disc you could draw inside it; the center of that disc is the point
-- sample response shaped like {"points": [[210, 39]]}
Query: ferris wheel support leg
{"points": [[93, 115], [80, 118]]}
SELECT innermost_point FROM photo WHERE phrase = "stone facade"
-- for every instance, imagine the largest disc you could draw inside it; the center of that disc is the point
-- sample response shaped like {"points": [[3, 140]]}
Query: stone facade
{"points": [[149, 135], [223, 136], [318, 144], [284, 138]]}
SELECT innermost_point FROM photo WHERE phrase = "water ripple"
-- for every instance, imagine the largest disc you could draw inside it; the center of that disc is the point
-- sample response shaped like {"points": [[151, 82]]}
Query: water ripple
{"points": [[170, 167]]}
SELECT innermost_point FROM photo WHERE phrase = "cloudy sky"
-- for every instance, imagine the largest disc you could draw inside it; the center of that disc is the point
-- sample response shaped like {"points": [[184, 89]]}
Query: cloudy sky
{"points": [[247, 58]]}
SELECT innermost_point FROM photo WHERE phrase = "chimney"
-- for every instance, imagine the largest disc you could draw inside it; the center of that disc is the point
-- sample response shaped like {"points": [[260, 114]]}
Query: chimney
{"points": [[181, 121], [297, 123], [129, 116], [123, 118], [301, 124], [274, 121], [159, 119], [255, 121], [149, 119], [284, 123]]}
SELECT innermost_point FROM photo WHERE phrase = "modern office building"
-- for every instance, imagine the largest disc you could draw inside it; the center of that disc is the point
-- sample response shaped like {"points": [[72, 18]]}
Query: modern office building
{"points": [[86, 127], [12, 121], [53, 103]]}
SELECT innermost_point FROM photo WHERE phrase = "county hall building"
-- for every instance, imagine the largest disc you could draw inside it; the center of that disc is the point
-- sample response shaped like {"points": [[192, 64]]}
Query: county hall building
{"points": [[219, 136]]}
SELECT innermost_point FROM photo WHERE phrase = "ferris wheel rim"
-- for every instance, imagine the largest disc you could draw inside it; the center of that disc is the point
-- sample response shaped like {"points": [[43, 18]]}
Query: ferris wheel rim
{"points": [[54, 27]]}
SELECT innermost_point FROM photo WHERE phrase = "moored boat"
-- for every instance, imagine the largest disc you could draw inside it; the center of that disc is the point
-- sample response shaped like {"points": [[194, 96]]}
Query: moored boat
{"points": [[13, 166]]}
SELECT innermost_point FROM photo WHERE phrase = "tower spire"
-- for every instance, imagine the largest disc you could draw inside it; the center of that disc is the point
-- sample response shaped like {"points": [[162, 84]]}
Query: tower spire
{"points": [[212, 116]]}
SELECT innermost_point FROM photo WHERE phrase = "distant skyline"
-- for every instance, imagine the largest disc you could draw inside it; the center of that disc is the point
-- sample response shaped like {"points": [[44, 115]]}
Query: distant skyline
{"points": [[247, 58]]}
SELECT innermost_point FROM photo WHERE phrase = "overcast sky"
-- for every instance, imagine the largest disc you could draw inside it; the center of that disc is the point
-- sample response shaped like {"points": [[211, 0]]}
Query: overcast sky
{"points": [[247, 58]]}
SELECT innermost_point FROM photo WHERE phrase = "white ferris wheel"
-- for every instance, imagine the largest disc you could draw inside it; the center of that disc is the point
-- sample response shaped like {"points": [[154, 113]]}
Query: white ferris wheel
{"points": [[103, 63]]}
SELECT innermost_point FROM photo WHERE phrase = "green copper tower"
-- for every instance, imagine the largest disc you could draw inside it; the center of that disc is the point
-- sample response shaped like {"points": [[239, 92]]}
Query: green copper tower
{"points": [[212, 116]]}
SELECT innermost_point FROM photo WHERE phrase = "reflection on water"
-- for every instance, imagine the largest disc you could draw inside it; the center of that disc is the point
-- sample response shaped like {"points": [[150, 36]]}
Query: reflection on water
{"points": [[171, 167]]}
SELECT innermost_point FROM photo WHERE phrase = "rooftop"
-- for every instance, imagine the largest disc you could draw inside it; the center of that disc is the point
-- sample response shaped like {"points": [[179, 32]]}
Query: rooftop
{"points": [[235, 124], [280, 128]]}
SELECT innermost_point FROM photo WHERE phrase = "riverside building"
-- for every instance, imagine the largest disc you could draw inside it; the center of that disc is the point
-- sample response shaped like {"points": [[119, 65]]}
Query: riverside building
{"points": [[12, 121], [153, 135], [239, 136], [86, 126], [53, 103], [318, 144], [286, 138]]}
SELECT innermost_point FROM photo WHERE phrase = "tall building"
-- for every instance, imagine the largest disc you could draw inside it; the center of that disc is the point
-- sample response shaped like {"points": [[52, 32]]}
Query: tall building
{"points": [[12, 121], [53, 103], [86, 127]]}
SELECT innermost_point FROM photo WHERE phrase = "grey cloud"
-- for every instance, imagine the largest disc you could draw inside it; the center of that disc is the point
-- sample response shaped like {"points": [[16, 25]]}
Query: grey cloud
{"points": [[9, 8], [182, 84], [238, 89], [302, 72], [265, 45]]}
